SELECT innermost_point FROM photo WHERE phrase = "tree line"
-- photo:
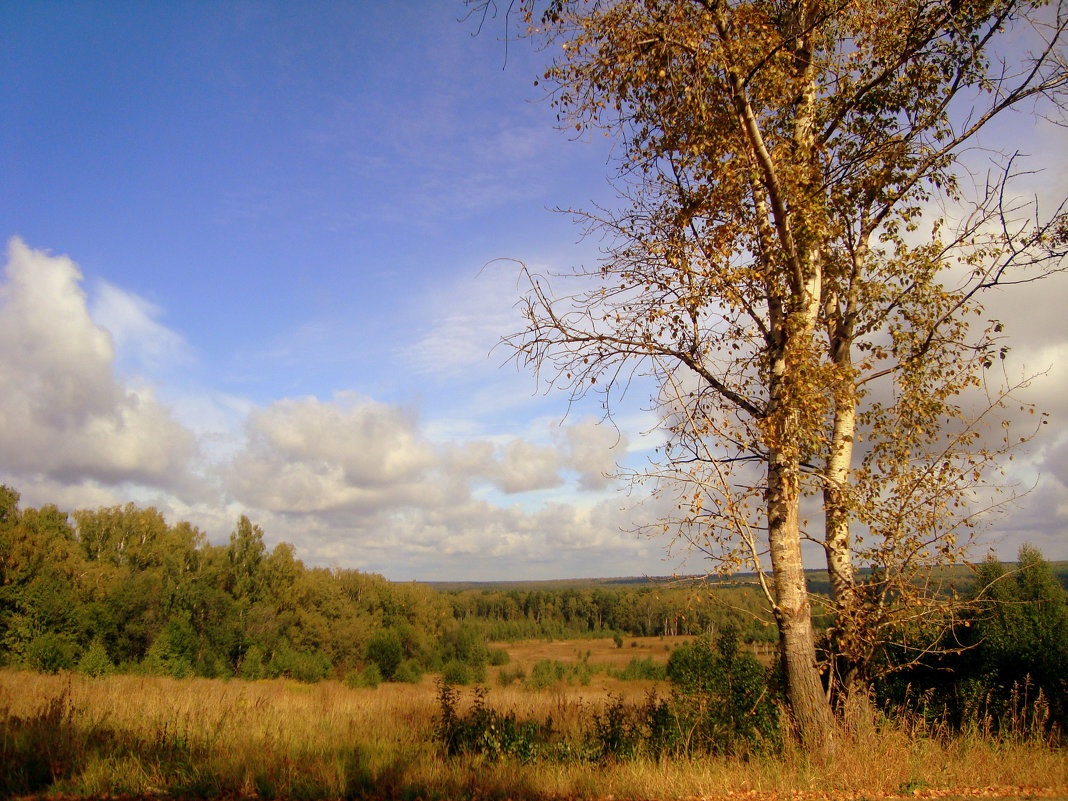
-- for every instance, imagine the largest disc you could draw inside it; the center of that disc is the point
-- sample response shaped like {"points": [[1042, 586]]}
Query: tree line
{"points": [[121, 588]]}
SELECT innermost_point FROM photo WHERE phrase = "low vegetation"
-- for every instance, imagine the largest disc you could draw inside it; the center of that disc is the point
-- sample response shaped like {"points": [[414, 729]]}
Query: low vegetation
{"points": [[73, 735]]}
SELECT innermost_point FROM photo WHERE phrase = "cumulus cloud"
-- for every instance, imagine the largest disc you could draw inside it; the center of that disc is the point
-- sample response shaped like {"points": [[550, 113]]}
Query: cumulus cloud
{"points": [[306, 455], [594, 449], [64, 414]]}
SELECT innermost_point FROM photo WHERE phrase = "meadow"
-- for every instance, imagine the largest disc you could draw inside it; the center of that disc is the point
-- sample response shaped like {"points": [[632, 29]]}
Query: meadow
{"points": [[116, 735]]}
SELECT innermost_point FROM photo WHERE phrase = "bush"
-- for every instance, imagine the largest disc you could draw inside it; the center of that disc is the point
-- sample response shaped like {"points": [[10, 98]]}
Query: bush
{"points": [[50, 652], [545, 673], [1002, 667], [506, 677], [95, 661], [726, 697], [384, 648], [457, 672], [641, 669], [484, 731], [408, 672], [465, 643], [498, 657], [370, 676], [298, 665], [251, 667]]}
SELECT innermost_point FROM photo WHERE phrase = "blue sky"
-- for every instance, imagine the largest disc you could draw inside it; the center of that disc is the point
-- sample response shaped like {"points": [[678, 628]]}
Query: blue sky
{"points": [[247, 273]]}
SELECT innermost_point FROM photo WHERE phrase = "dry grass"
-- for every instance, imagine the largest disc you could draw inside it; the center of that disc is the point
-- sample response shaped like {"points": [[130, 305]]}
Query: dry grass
{"points": [[147, 735]]}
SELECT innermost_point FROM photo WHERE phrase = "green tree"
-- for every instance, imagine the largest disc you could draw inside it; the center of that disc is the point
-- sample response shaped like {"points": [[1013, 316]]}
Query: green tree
{"points": [[776, 160], [1018, 631]]}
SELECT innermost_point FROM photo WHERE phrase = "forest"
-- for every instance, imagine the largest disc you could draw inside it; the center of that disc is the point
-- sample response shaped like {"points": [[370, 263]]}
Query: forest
{"points": [[120, 588]]}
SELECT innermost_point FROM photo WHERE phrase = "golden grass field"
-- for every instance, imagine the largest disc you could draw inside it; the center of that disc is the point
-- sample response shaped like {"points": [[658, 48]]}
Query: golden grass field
{"points": [[134, 735]]}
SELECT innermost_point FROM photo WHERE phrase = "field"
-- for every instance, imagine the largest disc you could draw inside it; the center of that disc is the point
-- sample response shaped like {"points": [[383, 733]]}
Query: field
{"points": [[134, 735]]}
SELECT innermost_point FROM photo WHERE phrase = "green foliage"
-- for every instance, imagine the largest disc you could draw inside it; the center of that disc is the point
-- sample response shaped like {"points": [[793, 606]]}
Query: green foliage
{"points": [[724, 698], [408, 672], [484, 731], [370, 676], [465, 643], [641, 670], [252, 667], [49, 652], [456, 672], [95, 661], [1003, 666], [385, 650], [498, 657], [289, 663], [510, 676], [545, 673], [171, 654]]}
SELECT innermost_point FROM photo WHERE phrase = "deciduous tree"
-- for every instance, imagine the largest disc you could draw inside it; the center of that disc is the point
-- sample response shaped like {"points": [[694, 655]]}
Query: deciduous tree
{"points": [[779, 265]]}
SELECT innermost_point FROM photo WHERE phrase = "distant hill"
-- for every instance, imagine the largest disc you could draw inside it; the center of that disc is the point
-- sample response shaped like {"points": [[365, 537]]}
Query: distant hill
{"points": [[959, 576]]}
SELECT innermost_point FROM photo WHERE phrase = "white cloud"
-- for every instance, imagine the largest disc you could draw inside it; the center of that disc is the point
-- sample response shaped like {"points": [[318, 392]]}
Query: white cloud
{"points": [[140, 340], [309, 456], [64, 414], [594, 448]]}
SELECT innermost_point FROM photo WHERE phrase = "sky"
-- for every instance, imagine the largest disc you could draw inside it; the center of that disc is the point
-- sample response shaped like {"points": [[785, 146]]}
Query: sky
{"points": [[257, 258]]}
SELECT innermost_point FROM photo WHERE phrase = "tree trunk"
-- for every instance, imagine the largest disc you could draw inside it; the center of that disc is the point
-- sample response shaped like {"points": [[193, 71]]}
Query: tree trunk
{"points": [[809, 707]]}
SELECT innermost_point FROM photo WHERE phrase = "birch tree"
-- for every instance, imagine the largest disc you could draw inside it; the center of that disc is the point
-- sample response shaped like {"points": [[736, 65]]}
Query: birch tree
{"points": [[777, 266]]}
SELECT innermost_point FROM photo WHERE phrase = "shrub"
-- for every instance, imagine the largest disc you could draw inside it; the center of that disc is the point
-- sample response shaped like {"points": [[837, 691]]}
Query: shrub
{"points": [[457, 672], [384, 648], [726, 697], [545, 673], [484, 731], [506, 677], [465, 643], [298, 665], [370, 676], [50, 652], [251, 667], [498, 657], [95, 661], [642, 669], [408, 672]]}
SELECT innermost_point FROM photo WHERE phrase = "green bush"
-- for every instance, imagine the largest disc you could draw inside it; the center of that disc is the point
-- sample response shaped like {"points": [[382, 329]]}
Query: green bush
{"points": [[484, 731], [498, 657], [641, 669], [1002, 667], [370, 676], [726, 697], [50, 652], [465, 643], [385, 649], [408, 672], [545, 673], [95, 661], [298, 665], [506, 677], [251, 667], [457, 672]]}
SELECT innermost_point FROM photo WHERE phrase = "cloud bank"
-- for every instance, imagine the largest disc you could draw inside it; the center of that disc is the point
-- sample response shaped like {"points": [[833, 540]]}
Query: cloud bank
{"points": [[350, 480]]}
